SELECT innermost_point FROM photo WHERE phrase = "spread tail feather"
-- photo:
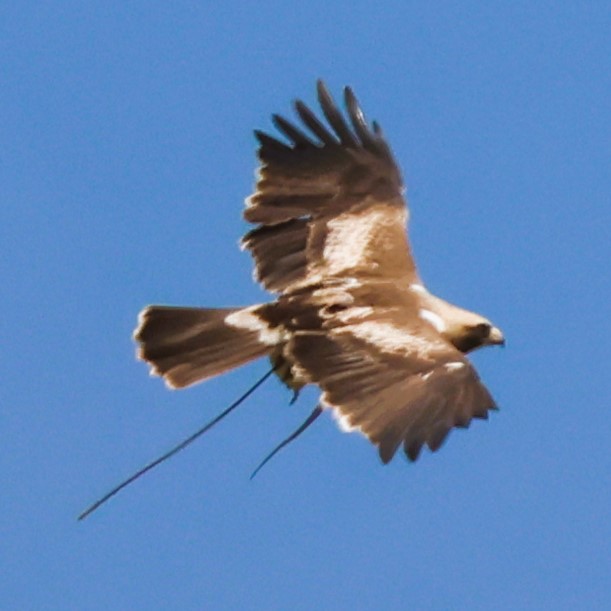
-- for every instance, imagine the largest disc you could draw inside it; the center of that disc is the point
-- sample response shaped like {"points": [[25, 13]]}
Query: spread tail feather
{"points": [[189, 345]]}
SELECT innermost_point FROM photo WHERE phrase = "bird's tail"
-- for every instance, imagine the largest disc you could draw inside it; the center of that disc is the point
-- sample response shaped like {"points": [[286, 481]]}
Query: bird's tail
{"points": [[189, 345]]}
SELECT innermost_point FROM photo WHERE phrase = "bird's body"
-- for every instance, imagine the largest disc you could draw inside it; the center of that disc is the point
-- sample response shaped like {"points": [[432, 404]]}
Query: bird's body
{"points": [[351, 315]]}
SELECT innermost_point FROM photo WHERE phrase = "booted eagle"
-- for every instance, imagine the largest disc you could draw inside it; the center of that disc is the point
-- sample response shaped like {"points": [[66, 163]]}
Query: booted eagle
{"points": [[351, 315]]}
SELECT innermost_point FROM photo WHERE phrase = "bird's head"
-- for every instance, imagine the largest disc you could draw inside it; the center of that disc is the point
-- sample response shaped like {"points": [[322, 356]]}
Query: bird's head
{"points": [[465, 330], [475, 334]]}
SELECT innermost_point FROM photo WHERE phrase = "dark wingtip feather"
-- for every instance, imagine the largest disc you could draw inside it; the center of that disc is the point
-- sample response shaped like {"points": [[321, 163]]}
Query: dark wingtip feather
{"points": [[412, 451], [334, 116], [321, 87], [359, 123], [315, 126], [386, 452], [271, 149], [437, 439], [267, 141], [293, 133]]}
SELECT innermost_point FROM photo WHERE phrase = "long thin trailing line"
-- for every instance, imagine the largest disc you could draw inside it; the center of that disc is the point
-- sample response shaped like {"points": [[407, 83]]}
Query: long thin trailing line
{"points": [[309, 420], [181, 446]]}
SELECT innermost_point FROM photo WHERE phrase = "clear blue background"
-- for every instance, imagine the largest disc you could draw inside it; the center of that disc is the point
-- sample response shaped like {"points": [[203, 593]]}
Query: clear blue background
{"points": [[126, 151]]}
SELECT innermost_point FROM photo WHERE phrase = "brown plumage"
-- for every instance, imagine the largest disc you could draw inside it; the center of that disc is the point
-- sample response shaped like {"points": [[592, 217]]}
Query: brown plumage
{"points": [[351, 315], [189, 345]]}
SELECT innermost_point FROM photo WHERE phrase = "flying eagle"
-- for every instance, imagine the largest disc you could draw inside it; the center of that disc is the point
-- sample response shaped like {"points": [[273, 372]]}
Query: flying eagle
{"points": [[351, 314]]}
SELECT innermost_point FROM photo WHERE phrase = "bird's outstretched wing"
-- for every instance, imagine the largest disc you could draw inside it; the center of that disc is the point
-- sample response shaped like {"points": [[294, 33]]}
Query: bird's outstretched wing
{"points": [[383, 370], [329, 203]]}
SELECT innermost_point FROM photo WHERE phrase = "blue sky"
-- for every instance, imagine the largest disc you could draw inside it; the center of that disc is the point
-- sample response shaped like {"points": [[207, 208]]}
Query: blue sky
{"points": [[127, 150]]}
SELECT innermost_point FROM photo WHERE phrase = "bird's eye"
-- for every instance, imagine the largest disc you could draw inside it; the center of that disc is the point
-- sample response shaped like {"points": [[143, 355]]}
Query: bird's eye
{"points": [[483, 329]]}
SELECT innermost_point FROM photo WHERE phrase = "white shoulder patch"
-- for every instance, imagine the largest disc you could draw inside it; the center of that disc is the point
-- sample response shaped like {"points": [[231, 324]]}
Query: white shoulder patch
{"points": [[433, 319], [417, 288], [454, 366]]}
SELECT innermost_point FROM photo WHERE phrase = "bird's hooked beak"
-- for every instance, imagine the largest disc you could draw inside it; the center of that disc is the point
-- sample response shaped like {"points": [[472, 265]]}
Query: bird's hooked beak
{"points": [[496, 337]]}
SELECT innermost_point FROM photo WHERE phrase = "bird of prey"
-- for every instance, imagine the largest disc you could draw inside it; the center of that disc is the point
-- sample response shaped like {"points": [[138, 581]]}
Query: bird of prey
{"points": [[351, 314]]}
